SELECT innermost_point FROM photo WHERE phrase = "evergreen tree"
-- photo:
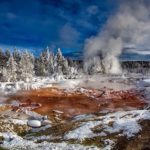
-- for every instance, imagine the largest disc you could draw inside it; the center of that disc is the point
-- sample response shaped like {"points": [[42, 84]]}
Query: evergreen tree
{"points": [[93, 65], [41, 65], [36, 66], [11, 69], [26, 66], [16, 55], [4, 75], [7, 54], [50, 63], [45, 63], [23, 66], [60, 63], [2, 57], [46, 56]]}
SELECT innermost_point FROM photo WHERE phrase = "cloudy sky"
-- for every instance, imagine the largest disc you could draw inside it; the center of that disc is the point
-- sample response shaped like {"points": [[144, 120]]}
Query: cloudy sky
{"points": [[35, 24]]}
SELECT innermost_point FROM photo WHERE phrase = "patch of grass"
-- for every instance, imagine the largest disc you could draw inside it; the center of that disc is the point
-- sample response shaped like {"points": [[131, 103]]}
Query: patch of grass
{"points": [[50, 140], [95, 141], [1, 148], [1, 138], [23, 133], [56, 130]]}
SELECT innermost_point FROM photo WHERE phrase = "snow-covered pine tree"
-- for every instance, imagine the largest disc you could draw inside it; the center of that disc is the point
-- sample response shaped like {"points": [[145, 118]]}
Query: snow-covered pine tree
{"points": [[56, 58], [50, 63], [44, 65], [16, 55], [11, 69], [7, 54], [49, 60], [73, 70], [93, 65], [36, 66], [41, 65], [60, 64], [1, 60], [4, 75], [3, 64], [26, 66]]}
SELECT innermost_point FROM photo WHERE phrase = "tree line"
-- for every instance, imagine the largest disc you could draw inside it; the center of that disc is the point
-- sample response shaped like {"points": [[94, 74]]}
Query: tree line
{"points": [[23, 66]]}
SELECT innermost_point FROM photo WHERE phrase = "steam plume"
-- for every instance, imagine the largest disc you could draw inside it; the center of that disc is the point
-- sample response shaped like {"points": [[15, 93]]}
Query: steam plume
{"points": [[130, 25]]}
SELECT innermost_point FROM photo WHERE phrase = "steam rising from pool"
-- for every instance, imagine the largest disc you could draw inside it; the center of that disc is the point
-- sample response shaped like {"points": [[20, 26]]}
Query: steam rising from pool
{"points": [[129, 26]]}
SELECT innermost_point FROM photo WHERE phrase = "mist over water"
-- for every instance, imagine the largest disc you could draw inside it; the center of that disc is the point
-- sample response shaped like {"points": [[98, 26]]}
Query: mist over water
{"points": [[128, 27]]}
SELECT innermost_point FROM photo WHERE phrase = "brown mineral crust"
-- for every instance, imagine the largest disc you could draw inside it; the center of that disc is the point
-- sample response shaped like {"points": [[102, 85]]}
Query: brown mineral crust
{"points": [[75, 103]]}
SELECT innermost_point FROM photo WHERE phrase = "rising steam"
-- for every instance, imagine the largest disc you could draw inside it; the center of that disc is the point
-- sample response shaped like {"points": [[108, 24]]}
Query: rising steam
{"points": [[130, 25]]}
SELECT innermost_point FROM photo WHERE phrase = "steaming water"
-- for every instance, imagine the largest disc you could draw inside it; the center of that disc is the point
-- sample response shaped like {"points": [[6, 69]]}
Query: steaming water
{"points": [[128, 27]]}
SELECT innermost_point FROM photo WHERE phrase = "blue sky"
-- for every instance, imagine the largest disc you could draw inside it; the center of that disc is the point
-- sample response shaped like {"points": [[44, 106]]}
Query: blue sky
{"points": [[35, 24]]}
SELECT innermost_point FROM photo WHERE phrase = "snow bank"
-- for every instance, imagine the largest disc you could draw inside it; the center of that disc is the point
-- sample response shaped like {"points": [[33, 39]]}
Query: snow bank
{"points": [[109, 144], [36, 83], [14, 142], [69, 83], [95, 81], [144, 83], [144, 87], [124, 122], [19, 121], [84, 131], [12, 87]]}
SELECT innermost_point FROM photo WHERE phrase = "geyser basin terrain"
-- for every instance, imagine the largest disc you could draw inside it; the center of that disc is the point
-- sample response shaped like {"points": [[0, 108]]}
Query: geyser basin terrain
{"points": [[78, 114]]}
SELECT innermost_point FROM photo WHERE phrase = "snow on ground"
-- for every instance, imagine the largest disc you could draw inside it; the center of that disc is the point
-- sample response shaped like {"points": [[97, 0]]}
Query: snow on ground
{"points": [[84, 131], [19, 121], [12, 87], [144, 86], [68, 84], [96, 82], [116, 82], [144, 83], [14, 142], [36, 83], [125, 122], [109, 144]]}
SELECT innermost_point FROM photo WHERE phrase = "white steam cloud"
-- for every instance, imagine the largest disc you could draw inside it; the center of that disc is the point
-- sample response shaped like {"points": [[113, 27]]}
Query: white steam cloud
{"points": [[130, 25]]}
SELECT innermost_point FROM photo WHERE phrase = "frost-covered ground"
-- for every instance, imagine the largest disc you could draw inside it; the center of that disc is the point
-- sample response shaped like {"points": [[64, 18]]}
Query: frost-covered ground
{"points": [[97, 81], [124, 123], [101, 130]]}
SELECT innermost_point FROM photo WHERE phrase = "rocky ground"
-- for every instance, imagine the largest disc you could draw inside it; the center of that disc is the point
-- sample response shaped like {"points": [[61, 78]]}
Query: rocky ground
{"points": [[78, 118]]}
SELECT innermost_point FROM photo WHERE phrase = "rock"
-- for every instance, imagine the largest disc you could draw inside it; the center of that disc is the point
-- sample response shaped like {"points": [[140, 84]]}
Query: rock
{"points": [[34, 123], [46, 122], [45, 117]]}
